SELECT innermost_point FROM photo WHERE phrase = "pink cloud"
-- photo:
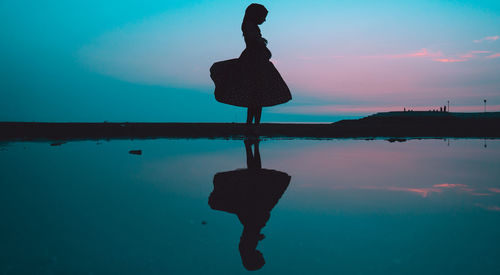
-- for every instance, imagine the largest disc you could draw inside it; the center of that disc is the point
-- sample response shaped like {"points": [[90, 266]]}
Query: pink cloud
{"points": [[467, 55], [449, 60], [473, 54], [421, 53], [437, 56], [323, 57], [497, 55], [487, 38], [479, 52]]}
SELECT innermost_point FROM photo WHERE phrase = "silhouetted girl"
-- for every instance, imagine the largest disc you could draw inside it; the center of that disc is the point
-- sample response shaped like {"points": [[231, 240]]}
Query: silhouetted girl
{"points": [[251, 80]]}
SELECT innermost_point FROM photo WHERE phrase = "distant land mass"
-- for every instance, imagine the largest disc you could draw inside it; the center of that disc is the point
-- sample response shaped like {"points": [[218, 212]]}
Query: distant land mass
{"points": [[409, 124]]}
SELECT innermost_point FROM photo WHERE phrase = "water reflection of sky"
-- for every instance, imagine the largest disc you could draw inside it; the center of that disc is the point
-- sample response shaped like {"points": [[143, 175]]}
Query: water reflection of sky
{"points": [[425, 168], [352, 206]]}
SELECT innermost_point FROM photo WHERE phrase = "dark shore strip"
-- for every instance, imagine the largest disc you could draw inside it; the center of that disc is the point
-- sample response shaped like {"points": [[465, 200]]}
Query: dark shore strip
{"points": [[384, 125]]}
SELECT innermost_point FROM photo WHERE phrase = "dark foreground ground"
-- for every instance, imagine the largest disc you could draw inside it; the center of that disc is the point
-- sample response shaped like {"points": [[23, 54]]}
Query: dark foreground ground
{"points": [[386, 125]]}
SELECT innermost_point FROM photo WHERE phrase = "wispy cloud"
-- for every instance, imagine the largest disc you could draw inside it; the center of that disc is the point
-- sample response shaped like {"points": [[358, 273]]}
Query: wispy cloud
{"points": [[449, 60], [473, 54], [465, 57], [496, 55], [437, 56], [478, 52], [487, 38], [422, 53], [311, 57]]}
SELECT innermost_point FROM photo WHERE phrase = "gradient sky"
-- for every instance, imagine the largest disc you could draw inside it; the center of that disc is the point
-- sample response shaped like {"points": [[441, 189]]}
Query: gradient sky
{"points": [[132, 60]]}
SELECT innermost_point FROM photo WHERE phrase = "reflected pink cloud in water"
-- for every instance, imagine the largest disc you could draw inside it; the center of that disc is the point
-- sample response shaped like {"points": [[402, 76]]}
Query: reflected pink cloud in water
{"points": [[424, 168], [489, 207], [495, 190], [427, 169]]}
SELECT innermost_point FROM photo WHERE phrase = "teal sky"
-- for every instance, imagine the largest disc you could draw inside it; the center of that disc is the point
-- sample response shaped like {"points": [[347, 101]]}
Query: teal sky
{"points": [[148, 61]]}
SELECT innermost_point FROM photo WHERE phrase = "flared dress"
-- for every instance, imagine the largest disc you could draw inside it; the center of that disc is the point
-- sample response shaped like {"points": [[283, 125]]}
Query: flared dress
{"points": [[250, 80]]}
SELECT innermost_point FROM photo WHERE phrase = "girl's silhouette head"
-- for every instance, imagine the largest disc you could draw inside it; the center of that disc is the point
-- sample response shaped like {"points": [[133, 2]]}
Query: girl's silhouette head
{"points": [[255, 14]]}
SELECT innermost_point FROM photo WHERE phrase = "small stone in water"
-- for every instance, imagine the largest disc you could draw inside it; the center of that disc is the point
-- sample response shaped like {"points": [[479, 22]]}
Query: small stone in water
{"points": [[57, 143]]}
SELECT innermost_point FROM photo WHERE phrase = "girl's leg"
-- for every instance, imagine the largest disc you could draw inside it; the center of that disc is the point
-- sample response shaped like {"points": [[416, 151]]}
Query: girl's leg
{"points": [[253, 158], [256, 155], [250, 115], [249, 154], [257, 114]]}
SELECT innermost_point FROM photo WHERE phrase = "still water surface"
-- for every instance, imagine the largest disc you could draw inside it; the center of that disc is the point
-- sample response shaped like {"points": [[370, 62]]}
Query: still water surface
{"points": [[343, 207]]}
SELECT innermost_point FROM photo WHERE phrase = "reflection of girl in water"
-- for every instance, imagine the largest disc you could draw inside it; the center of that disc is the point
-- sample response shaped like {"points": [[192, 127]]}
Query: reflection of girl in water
{"points": [[251, 81], [251, 194]]}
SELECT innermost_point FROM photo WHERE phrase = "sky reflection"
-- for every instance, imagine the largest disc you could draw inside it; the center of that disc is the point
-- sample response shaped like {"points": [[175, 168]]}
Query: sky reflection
{"points": [[429, 169], [351, 207]]}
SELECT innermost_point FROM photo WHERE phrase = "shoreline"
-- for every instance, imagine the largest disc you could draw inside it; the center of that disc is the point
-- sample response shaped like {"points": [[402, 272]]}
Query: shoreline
{"points": [[381, 125]]}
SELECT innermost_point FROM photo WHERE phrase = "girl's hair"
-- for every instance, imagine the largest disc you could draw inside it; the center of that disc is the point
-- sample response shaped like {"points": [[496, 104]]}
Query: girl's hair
{"points": [[253, 14]]}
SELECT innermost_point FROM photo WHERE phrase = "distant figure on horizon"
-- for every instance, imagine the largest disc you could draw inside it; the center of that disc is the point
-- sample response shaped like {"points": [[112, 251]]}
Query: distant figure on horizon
{"points": [[251, 194], [251, 80]]}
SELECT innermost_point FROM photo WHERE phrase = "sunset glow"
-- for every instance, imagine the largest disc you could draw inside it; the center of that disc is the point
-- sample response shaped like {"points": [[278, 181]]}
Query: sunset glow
{"points": [[341, 57]]}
